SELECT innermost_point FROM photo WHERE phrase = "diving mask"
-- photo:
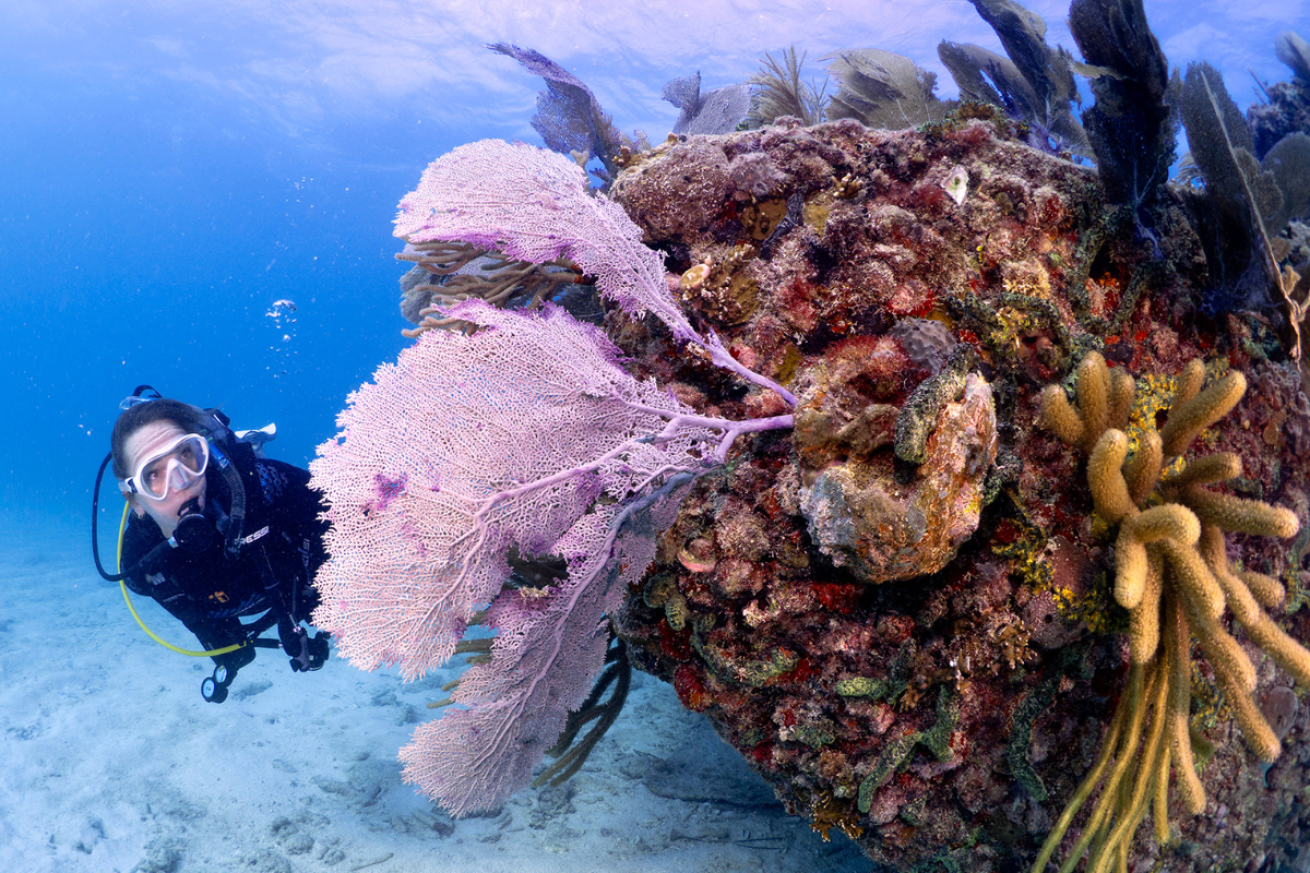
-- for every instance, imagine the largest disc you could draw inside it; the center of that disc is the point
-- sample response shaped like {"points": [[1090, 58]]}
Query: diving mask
{"points": [[173, 467]]}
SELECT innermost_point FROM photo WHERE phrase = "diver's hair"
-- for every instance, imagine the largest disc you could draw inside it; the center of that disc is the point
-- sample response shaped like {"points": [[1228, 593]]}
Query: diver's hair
{"points": [[189, 418]]}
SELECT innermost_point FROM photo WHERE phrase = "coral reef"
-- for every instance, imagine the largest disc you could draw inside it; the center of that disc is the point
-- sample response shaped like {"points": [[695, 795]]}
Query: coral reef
{"points": [[945, 719], [917, 614], [802, 463]]}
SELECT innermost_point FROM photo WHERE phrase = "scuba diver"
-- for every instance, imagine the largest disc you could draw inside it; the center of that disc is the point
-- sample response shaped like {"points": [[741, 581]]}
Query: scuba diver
{"points": [[216, 532]]}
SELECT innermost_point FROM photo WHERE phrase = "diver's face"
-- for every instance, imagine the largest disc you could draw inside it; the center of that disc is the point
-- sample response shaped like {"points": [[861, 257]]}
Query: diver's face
{"points": [[147, 440]]}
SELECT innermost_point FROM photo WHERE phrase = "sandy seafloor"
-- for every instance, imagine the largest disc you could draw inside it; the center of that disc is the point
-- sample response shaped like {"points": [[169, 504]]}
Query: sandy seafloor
{"points": [[112, 761]]}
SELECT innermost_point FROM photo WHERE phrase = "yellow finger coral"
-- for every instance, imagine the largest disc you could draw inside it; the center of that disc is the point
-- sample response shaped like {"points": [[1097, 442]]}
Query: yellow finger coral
{"points": [[1172, 575]]}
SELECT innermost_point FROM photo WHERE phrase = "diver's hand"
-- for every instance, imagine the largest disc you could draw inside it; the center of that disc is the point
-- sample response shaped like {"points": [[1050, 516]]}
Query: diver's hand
{"points": [[313, 652]]}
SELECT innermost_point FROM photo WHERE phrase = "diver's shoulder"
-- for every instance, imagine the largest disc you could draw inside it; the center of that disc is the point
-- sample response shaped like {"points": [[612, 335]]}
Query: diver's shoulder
{"points": [[141, 535], [280, 481]]}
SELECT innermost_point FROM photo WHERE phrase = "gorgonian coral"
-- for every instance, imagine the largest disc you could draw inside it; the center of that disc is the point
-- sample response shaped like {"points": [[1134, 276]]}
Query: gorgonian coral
{"points": [[524, 441], [1172, 575]]}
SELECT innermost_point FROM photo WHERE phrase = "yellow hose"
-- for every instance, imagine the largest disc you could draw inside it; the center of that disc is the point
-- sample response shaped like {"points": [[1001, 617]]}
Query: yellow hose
{"points": [[122, 526]]}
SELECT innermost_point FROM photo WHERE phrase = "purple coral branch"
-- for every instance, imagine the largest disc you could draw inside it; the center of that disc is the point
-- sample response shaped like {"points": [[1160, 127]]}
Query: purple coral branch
{"points": [[731, 429], [479, 524], [678, 424], [722, 358]]}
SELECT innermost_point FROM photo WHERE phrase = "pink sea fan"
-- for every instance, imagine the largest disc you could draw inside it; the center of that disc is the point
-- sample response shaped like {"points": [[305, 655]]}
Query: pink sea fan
{"points": [[466, 448], [525, 435], [534, 205]]}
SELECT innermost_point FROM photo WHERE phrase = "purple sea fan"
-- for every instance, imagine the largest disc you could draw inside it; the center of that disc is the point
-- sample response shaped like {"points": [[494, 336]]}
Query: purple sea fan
{"points": [[547, 655], [534, 205], [466, 448]]}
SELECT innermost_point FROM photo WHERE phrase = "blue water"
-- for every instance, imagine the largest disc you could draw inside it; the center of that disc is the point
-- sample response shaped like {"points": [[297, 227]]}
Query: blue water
{"points": [[140, 245], [169, 172]]}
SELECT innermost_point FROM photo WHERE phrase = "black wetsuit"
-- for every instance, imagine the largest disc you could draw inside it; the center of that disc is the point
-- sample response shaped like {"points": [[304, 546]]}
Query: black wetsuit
{"points": [[208, 590]]}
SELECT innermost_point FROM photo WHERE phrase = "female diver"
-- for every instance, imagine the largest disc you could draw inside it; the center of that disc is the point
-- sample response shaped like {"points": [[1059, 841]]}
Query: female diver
{"points": [[217, 533]]}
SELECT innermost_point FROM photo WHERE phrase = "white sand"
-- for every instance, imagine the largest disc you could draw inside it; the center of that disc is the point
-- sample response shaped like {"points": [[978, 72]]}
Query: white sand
{"points": [[112, 761]]}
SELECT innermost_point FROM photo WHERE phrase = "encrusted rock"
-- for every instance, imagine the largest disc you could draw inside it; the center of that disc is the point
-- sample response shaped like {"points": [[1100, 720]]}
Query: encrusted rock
{"points": [[917, 332], [860, 515]]}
